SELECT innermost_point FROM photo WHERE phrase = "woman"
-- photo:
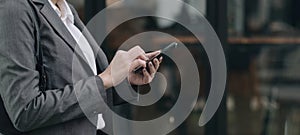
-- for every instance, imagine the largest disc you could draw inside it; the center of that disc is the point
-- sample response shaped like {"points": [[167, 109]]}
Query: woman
{"points": [[73, 74]]}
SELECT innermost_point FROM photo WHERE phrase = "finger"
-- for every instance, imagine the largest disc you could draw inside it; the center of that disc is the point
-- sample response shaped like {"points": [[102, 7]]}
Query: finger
{"points": [[137, 52], [143, 57], [138, 63], [160, 59], [153, 54], [152, 69], [147, 76], [156, 63]]}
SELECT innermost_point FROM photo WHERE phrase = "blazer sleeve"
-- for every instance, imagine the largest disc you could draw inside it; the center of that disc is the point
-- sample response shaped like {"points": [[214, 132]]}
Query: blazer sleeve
{"points": [[27, 106]]}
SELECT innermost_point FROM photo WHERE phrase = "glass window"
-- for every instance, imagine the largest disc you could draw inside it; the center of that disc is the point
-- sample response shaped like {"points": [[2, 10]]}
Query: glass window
{"points": [[263, 64]]}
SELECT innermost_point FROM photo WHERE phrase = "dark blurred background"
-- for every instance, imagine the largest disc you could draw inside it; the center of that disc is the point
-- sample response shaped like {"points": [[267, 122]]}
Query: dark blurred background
{"points": [[261, 40]]}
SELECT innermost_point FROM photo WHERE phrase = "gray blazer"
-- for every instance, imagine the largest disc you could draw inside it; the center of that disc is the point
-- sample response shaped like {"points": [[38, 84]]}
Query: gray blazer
{"points": [[72, 91]]}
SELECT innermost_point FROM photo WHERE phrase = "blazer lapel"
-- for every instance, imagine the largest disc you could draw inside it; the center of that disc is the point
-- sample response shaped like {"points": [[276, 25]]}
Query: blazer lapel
{"points": [[56, 23]]}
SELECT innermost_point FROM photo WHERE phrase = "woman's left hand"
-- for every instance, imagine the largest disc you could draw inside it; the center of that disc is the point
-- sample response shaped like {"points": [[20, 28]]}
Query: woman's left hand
{"points": [[146, 76]]}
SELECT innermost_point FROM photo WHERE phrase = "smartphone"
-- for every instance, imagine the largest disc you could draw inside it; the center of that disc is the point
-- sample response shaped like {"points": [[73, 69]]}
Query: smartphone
{"points": [[139, 69]]}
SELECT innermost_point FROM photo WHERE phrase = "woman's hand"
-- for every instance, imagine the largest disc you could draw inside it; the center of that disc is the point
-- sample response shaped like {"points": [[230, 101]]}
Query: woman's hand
{"points": [[146, 76], [119, 67]]}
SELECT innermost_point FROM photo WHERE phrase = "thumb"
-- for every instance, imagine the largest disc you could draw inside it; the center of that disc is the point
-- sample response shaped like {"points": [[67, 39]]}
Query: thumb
{"points": [[138, 63], [153, 54]]}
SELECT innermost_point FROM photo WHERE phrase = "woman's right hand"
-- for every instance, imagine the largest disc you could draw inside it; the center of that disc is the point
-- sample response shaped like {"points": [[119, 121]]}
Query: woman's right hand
{"points": [[118, 69]]}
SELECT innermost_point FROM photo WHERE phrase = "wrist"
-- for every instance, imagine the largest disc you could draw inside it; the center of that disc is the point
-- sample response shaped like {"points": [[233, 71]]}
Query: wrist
{"points": [[106, 78]]}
